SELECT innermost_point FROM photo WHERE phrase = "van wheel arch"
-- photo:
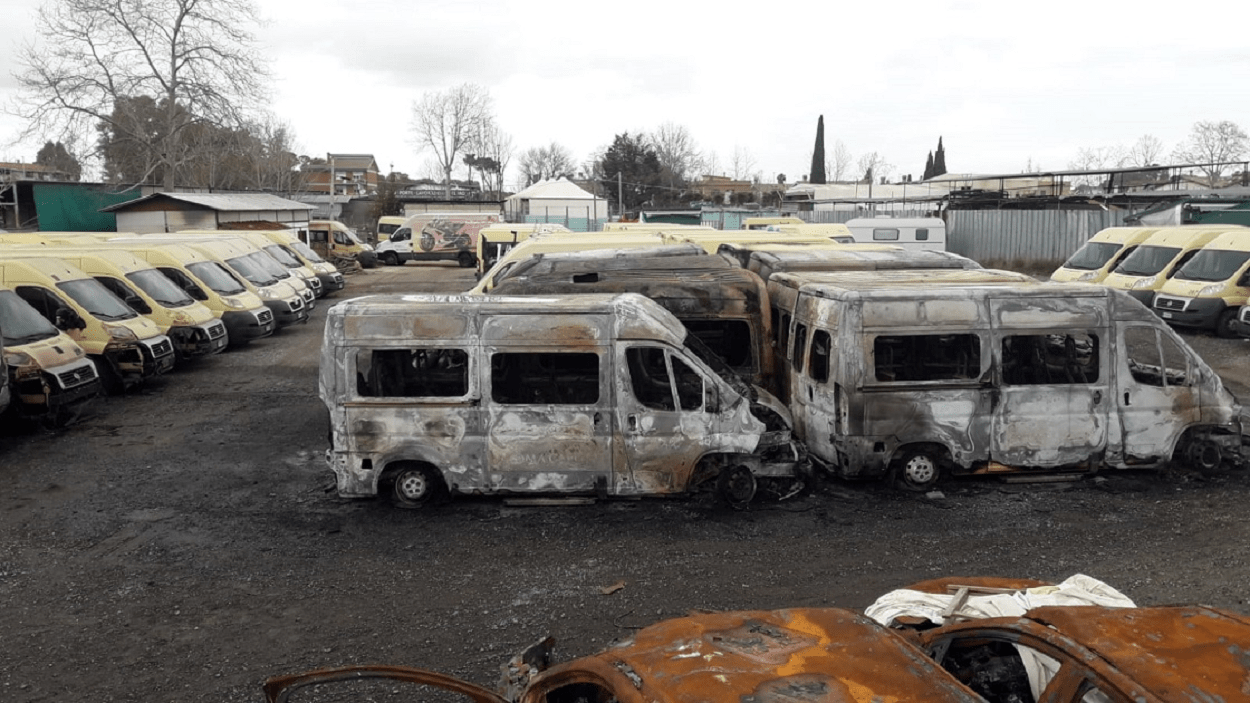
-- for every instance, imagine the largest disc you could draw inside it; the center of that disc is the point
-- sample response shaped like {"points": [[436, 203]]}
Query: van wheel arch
{"points": [[919, 467], [1224, 323], [413, 484]]}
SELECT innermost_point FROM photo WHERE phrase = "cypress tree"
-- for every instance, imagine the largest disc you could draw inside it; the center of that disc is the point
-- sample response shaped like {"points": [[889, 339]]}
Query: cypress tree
{"points": [[939, 160], [818, 154], [928, 168]]}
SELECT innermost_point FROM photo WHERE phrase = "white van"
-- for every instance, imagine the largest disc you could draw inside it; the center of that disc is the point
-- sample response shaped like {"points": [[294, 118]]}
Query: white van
{"points": [[907, 232], [590, 395], [914, 381], [436, 236]]}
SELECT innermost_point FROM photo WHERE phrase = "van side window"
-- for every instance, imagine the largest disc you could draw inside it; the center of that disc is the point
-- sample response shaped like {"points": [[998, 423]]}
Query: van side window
{"points": [[927, 357], [800, 346], [401, 234], [818, 364], [648, 377], [885, 234], [318, 235], [184, 282], [922, 234], [412, 373], [126, 293], [776, 317], [40, 299], [1046, 359], [730, 339], [341, 238], [544, 378], [1155, 359], [783, 335], [689, 385]]}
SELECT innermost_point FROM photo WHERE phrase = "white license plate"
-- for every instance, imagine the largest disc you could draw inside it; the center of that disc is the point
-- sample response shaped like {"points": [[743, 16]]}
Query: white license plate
{"points": [[1167, 315]]}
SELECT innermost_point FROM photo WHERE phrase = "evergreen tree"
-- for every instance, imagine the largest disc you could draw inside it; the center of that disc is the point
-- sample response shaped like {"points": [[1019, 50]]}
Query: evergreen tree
{"points": [[818, 154], [928, 168], [55, 155], [939, 159]]}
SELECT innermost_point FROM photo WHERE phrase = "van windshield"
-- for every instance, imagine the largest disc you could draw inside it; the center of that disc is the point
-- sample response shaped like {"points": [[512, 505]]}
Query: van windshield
{"points": [[1092, 256], [216, 277], [21, 323], [1147, 261], [283, 256], [266, 263], [250, 270], [97, 299], [160, 288], [1213, 265], [303, 250]]}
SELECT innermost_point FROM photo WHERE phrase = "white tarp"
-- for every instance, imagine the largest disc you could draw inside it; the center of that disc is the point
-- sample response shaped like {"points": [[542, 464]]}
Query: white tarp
{"points": [[1078, 589]]}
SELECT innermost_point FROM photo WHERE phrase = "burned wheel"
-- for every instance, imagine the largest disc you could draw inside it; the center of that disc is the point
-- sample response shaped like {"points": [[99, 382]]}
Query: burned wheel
{"points": [[917, 470], [736, 485], [417, 487]]}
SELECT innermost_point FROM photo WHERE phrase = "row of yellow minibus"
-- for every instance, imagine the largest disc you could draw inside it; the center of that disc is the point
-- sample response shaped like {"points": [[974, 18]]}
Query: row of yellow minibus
{"points": [[86, 312], [1194, 276]]}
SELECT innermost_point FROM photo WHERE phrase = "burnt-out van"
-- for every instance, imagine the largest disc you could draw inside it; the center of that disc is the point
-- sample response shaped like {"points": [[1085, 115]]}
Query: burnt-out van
{"points": [[580, 395], [916, 381]]}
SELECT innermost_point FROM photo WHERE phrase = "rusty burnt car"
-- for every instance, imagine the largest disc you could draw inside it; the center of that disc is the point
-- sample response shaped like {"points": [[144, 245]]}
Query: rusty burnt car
{"points": [[1121, 655]]}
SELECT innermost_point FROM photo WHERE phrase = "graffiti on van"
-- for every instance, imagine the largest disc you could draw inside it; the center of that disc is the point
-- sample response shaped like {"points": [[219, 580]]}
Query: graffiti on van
{"points": [[445, 234]]}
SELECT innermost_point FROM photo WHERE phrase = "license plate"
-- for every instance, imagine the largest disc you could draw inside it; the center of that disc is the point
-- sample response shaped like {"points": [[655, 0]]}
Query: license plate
{"points": [[1167, 315]]}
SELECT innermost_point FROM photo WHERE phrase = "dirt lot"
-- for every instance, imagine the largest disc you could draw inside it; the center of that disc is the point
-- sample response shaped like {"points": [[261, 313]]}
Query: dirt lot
{"points": [[185, 542]]}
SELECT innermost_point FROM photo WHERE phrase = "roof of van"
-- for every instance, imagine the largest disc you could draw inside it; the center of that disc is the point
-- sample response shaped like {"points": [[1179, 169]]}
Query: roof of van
{"points": [[866, 280], [1233, 239], [1187, 236], [851, 257], [112, 258], [729, 283], [667, 256], [405, 317], [1123, 235], [56, 269], [896, 222]]}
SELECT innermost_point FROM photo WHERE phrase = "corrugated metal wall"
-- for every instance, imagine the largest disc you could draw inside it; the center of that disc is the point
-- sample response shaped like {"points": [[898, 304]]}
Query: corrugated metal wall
{"points": [[1025, 236]]}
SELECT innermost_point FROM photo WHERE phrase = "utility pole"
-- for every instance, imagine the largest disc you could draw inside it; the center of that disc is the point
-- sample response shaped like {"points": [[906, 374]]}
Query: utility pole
{"points": [[620, 197]]}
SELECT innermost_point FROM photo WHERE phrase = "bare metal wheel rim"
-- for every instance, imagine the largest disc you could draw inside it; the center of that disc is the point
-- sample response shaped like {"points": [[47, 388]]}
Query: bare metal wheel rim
{"points": [[920, 470], [413, 485]]}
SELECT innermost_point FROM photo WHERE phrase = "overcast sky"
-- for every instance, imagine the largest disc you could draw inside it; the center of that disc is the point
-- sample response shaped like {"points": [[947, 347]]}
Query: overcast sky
{"points": [[1003, 84]]}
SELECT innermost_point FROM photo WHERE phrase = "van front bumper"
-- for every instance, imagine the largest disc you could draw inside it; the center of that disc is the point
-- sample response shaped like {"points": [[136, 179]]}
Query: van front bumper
{"points": [[244, 326], [194, 341], [158, 355], [288, 312], [331, 282], [1241, 325], [44, 392], [1188, 312]]}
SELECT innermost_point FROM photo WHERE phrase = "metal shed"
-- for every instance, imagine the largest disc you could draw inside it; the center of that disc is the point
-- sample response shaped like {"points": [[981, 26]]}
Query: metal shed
{"points": [[172, 212]]}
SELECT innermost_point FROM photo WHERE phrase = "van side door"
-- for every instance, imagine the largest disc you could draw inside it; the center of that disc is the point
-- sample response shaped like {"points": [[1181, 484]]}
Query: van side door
{"points": [[1157, 393], [549, 419], [1052, 406], [670, 414]]}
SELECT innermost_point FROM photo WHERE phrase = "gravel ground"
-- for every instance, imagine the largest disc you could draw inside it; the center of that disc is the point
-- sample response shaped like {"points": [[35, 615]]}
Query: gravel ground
{"points": [[184, 543]]}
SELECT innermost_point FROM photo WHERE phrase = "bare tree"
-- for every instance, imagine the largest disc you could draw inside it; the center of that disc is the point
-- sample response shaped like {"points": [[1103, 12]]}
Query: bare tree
{"points": [[837, 161], [1211, 145], [875, 167], [1146, 151], [679, 156], [447, 121], [1096, 159], [742, 163], [541, 163], [494, 152], [193, 58]]}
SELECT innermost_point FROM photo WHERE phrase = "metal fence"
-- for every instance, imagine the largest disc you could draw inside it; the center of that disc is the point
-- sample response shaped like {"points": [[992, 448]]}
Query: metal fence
{"points": [[1023, 237]]}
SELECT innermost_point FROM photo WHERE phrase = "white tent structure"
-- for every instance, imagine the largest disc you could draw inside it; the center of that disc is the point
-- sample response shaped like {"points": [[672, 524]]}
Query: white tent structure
{"points": [[558, 200]]}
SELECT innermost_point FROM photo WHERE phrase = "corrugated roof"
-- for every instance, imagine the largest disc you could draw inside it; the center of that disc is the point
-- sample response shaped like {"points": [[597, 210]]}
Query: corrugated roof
{"points": [[245, 202]]}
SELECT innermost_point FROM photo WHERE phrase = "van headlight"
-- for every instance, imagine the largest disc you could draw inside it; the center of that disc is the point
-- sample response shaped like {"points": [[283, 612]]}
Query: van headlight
{"points": [[1212, 290], [366, 247], [17, 358], [266, 294], [121, 334], [1143, 283], [1087, 276], [233, 304]]}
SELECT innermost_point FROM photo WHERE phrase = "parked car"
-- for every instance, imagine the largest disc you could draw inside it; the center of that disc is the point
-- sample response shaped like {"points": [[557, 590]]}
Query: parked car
{"points": [[1178, 654]]}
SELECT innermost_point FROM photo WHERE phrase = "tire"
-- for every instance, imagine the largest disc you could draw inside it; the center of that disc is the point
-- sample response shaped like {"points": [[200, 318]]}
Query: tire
{"points": [[110, 382], [736, 485], [1224, 324], [917, 470], [1204, 456], [466, 259], [390, 258], [417, 486]]}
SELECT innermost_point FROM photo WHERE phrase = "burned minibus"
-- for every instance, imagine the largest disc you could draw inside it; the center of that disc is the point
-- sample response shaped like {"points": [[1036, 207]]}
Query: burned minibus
{"points": [[591, 395], [722, 305], [915, 381]]}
